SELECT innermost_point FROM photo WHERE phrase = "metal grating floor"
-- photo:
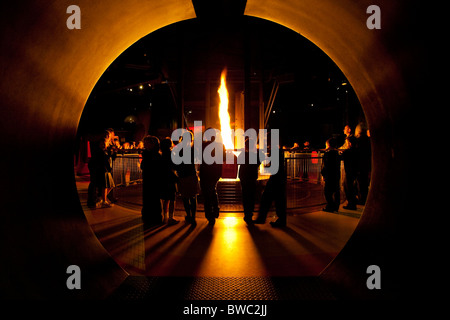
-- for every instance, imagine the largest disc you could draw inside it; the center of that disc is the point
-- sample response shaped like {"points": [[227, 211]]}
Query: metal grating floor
{"points": [[232, 288], [137, 288]]}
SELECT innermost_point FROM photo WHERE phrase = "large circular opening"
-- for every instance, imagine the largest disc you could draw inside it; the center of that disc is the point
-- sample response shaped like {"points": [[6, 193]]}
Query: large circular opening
{"points": [[276, 79]]}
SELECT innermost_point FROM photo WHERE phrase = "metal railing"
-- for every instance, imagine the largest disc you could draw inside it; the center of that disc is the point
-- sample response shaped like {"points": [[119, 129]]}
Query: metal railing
{"points": [[303, 190], [303, 166], [127, 169], [303, 183]]}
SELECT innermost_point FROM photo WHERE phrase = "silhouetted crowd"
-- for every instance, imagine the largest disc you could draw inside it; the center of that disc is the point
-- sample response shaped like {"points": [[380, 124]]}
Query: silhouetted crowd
{"points": [[356, 155], [163, 179]]}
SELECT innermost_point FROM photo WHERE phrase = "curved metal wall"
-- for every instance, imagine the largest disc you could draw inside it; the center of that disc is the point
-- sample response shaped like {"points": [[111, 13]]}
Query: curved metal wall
{"points": [[383, 67]]}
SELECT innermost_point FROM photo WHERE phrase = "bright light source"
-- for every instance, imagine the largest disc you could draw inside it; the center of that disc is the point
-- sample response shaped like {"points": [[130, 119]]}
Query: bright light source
{"points": [[224, 116], [230, 222]]}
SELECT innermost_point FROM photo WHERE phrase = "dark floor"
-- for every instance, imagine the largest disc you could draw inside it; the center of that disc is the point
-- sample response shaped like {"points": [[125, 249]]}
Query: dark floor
{"points": [[137, 288]]}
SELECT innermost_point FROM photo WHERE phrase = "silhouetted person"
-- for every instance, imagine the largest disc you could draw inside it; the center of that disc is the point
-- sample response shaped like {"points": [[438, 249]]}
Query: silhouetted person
{"points": [[188, 184], [210, 174], [105, 168], [248, 176], [331, 173], [349, 155], [168, 181], [364, 161], [95, 174], [100, 167], [274, 191], [112, 150], [151, 176], [347, 133]]}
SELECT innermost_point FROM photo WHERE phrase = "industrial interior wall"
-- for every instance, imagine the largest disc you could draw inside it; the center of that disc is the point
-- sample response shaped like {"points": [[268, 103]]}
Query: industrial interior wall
{"points": [[49, 70]]}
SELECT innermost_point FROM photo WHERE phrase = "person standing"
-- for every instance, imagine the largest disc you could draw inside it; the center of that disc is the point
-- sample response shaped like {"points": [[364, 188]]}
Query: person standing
{"points": [[349, 155], [274, 191], [151, 179], [168, 181], [96, 175], [188, 184], [248, 176], [331, 174], [103, 172], [112, 151], [210, 173], [364, 156]]}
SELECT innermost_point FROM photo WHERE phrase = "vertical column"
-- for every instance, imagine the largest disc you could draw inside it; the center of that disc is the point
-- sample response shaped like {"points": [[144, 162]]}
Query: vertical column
{"points": [[208, 110], [239, 117]]}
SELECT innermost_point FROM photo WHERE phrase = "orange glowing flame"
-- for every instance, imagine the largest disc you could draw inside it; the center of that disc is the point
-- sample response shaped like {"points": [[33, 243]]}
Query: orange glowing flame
{"points": [[224, 116]]}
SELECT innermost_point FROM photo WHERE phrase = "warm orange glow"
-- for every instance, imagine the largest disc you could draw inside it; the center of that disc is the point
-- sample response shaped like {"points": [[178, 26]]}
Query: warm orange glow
{"points": [[314, 159], [230, 234], [230, 222], [224, 116], [232, 251]]}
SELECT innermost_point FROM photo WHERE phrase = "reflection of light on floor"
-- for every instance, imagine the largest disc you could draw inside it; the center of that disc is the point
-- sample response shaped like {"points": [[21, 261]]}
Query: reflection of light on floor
{"points": [[230, 222], [230, 232], [232, 252]]}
